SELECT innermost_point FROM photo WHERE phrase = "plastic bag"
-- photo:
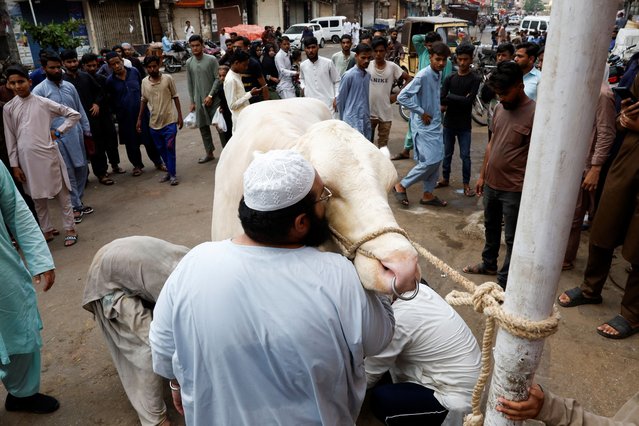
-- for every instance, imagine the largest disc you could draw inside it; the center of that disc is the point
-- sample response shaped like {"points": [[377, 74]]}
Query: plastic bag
{"points": [[190, 121], [219, 121]]}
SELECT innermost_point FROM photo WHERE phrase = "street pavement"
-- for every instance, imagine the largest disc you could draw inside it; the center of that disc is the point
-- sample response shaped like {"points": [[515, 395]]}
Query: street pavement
{"points": [[76, 365]]}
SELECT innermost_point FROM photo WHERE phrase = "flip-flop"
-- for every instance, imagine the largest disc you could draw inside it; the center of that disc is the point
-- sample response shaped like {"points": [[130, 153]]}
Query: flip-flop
{"points": [[119, 171], [479, 269], [206, 159], [437, 202], [442, 184], [577, 298], [136, 172], [401, 197], [469, 192], [70, 240], [620, 324], [48, 236], [105, 180]]}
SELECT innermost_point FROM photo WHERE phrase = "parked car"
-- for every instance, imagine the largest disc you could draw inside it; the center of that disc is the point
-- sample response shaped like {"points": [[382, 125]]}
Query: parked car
{"points": [[535, 23], [294, 33], [332, 27], [450, 30]]}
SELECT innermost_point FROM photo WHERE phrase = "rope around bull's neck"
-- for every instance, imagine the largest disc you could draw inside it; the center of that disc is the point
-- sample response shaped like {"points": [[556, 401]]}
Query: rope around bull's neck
{"points": [[485, 298]]}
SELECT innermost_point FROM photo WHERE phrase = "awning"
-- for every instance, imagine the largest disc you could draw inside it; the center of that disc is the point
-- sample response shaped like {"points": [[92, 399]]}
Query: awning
{"points": [[189, 3]]}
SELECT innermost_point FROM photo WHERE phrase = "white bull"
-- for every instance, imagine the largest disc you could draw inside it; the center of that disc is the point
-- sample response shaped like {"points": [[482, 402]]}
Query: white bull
{"points": [[357, 173]]}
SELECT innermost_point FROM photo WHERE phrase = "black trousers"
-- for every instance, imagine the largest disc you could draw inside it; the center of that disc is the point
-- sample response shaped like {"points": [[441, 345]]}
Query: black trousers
{"points": [[406, 404]]}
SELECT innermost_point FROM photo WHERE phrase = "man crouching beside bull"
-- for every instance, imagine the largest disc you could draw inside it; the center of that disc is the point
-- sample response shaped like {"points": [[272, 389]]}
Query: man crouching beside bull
{"points": [[264, 328]]}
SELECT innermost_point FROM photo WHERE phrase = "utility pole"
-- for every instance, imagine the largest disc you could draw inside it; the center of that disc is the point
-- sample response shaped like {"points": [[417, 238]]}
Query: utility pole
{"points": [[562, 129]]}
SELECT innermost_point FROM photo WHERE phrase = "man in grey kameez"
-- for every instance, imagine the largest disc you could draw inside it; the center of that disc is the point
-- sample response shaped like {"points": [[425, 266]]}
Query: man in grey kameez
{"points": [[123, 283], [71, 143], [203, 83]]}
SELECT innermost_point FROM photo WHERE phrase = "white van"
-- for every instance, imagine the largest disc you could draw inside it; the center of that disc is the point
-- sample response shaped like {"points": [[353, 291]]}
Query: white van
{"points": [[535, 23], [331, 26]]}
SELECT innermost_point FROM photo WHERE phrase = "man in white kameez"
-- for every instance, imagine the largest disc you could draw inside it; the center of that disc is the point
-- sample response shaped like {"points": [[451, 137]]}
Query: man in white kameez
{"points": [[355, 31], [285, 87], [319, 77], [20, 322], [71, 143], [33, 150], [236, 97], [264, 328], [123, 284], [347, 28]]}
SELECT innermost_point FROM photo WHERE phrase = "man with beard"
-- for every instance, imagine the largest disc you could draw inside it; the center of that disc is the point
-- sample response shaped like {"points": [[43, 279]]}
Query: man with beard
{"points": [[287, 326], [107, 140], [128, 52], [318, 76], [502, 174], [395, 48], [91, 95], [71, 143], [352, 100], [124, 90], [252, 78], [158, 93], [525, 56], [421, 97], [343, 58]]}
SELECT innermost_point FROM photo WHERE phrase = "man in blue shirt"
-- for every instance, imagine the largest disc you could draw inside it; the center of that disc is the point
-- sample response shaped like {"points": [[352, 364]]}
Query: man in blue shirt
{"points": [[167, 44], [352, 100], [124, 89], [421, 97], [526, 55]]}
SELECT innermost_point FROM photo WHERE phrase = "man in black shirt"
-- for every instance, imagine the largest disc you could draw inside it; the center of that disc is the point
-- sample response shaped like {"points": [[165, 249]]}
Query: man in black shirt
{"points": [[253, 78], [91, 95], [457, 96]]}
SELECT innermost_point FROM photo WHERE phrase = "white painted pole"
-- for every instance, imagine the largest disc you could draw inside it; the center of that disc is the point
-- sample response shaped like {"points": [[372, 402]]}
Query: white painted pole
{"points": [[573, 70], [33, 13]]}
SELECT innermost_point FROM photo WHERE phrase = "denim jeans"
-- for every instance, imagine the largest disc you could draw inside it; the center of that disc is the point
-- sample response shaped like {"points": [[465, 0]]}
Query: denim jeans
{"points": [[498, 205], [164, 140], [463, 137]]}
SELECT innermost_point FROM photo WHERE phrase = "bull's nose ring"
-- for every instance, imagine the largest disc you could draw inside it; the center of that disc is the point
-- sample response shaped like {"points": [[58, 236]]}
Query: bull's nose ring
{"points": [[399, 295]]}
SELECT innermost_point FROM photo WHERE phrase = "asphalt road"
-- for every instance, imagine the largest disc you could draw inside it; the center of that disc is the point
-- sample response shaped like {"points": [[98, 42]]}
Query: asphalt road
{"points": [[77, 368]]}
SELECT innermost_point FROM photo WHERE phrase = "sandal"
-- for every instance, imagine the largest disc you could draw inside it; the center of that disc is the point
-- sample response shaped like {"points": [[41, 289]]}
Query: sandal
{"points": [[480, 269], [206, 159], [577, 298], [70, 240], [401, 197], [469, 192], [161, 167], [48, 236], [436, 201], [118, 170], [442, 184], [136, 172], [77, 216], [55, 231], [106, 180], [622, 326], [567, 266], [400, 156]]}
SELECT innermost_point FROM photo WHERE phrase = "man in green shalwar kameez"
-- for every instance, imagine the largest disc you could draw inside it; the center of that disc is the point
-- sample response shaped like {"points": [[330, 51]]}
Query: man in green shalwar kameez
{"points": [[20, 322], [203, 82]]}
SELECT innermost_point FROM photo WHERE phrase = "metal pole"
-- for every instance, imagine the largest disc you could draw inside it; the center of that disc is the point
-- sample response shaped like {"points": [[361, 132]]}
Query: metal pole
{"points": [[33, 12], [562, 130]]}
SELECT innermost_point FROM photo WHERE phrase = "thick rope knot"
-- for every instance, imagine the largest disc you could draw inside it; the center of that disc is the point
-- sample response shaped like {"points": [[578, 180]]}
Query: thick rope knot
{"points": [[488, 294]]}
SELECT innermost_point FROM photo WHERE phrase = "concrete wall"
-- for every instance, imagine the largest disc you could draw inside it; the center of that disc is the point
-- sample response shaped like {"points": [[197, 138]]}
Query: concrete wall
{"points": [[269, 12]]}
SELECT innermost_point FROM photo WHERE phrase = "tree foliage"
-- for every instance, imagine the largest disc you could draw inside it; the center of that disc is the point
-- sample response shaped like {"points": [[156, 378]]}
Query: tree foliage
{"points": [[55, 35], [531, 6]]}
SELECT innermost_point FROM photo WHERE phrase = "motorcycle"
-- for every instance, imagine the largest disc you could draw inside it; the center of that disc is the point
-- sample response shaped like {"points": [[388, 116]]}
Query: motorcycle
{"points": [[479, 112], [176, 58], [617, 65], [213, 49]]}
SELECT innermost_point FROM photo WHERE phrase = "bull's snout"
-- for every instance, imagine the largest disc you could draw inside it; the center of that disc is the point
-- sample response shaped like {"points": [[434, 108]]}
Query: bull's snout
{"points": [[406, 271]]}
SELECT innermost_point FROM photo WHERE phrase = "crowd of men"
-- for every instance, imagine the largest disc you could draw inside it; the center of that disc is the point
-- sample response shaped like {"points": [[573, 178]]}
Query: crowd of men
{"points": [[418, 358]]}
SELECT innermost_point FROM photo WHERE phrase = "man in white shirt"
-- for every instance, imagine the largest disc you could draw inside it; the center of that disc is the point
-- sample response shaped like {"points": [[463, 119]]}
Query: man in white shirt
{"points": [[188, 30], [285, 87], [223, 38], [383, 75], [264, 327], [236, 97], [526, 56], [433, 360], [347, 28], [318, 76], [355, 31]]}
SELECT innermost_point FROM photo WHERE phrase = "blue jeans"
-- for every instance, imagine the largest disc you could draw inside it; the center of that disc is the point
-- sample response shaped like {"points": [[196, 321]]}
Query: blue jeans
{"points": [[427, 173], [463, 137], [164, 140], [498, 205]]}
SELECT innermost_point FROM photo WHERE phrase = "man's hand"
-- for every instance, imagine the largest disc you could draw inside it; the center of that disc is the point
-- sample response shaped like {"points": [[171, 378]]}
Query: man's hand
{"points": [[393, 98], [49, 279], [53, 136], [177, 398], [19, 175], [592, 179], [629, 118], [335, 104], [208, 101], [479, 187], [192, 107], [523, 410], [180, 122], [255, 91], [426, 118], [138, 126], [95, 110]]}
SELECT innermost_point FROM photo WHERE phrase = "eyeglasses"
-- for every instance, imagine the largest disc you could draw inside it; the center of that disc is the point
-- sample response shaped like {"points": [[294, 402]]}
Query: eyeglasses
{"points": [[325, 196]]}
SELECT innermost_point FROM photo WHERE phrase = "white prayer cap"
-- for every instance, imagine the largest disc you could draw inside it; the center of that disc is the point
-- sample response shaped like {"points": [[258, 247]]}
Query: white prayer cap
{"points": [[277, 179]]}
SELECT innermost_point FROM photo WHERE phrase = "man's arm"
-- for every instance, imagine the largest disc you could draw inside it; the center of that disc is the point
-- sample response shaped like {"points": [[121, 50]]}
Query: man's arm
{"points": [[72, 117], [418, 43], [84, 120], [479, 187], [189, 85], [606, 131], [408, 96], [379, 364], [342, 94], [176, 101], [138, 125], [161, 336], [282, 67], [462, 100]]}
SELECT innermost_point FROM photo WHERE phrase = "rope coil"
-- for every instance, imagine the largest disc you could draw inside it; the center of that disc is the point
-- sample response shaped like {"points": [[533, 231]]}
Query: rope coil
{"points": [[486, 299]]}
